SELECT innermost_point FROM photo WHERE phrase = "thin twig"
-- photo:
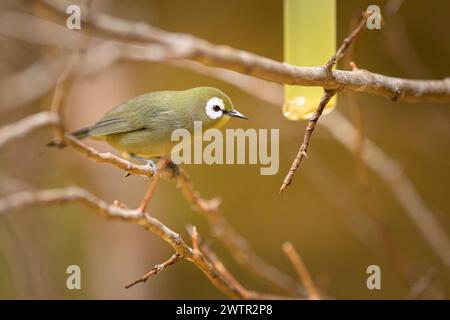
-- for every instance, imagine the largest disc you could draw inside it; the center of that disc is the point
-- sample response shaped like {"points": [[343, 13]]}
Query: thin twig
{"points": [[27, 125], [325, 98], [302, 270], [422, 284], [156, 269], [106, 157], [181, 46], [153, 184], [195, 240], [346, 44], [65, 81], [61, 92], [307, 136]]}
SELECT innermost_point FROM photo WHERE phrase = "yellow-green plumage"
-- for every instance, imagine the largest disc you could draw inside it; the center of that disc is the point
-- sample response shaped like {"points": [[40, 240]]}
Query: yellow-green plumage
{"points": [[143, 125]]}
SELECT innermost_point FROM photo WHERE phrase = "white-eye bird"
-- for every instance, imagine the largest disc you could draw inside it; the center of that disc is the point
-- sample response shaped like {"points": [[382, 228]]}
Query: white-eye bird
{"points": [[142, 126]]}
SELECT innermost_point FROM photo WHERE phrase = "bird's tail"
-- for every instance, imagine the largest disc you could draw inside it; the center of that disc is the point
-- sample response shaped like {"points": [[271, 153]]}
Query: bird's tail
{"points": [[79, 134]]}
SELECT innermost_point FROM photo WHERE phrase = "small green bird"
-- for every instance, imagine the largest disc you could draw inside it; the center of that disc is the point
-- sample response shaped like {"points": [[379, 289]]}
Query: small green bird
{"points": [[142, 126]]}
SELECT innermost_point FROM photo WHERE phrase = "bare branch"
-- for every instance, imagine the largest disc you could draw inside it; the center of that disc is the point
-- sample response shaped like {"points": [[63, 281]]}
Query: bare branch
{"points": [[153, 184], [182, 46], [346, 43], [26, 125], [195, 241], [156, 269], [422, 284], [302, 270], [307, 136], [106, 157], [65, 81], [61, 92]]}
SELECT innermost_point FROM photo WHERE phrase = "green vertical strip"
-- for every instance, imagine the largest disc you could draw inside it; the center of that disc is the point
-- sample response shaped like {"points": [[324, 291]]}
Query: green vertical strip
{"points": [[309, 40]]}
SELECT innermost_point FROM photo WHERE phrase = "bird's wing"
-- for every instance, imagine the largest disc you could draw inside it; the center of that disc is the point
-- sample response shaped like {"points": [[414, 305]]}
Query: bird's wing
{"points": [[126, 117], [118, 124]]}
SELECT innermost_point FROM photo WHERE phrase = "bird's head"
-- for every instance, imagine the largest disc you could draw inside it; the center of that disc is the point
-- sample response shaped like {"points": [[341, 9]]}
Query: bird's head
{"points": [[213, 106]]}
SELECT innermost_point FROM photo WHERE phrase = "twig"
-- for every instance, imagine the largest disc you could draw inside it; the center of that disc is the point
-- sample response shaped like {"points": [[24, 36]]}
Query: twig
{"points": [[422, 284], [181, 46], [195, 240], [106, 157], [65, 81], [325, 98], [153, 184], [302, 270], [307, 136], [26, 125], [60, 94], [156, 269], [346, 44]]}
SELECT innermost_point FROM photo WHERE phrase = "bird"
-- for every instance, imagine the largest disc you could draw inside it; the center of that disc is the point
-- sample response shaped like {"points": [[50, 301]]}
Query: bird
{"points": [[141, 127]]}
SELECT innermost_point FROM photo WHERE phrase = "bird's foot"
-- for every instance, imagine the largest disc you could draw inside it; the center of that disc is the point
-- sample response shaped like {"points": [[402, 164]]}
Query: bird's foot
{"points": [[152, 166], [174, 169]]}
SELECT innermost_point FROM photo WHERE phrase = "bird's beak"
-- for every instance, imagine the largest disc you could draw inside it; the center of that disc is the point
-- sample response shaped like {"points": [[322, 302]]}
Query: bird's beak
{"points": [[236, 114]]}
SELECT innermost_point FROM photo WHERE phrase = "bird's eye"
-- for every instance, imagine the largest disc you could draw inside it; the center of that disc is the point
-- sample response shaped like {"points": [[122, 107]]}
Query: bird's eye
{"points": [[214, 108]]}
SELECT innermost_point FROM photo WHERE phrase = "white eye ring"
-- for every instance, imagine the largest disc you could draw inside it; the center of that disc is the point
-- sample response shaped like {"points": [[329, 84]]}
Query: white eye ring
{"points": [[211, 107]]}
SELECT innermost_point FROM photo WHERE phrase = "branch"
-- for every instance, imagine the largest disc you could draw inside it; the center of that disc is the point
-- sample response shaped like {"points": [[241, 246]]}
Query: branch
{"points": [[156, 269], [323, 102], [307, 136], [422, 284], [347, 43], [161, 165], [302, 270], [183, 46], [74, 194], [26, 125], [106, 157]]}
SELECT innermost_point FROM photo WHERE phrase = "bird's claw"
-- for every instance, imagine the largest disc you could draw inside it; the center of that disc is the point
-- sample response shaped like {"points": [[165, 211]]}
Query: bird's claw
{"points": [[173, 168], [152, 166]]}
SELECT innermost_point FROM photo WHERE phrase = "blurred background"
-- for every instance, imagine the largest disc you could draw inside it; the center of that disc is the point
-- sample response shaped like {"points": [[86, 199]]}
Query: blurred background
{"points": [[334, 212]]}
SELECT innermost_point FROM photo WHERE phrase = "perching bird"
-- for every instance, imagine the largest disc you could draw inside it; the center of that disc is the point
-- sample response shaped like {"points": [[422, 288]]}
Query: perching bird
{"points": [[142, 126]]}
